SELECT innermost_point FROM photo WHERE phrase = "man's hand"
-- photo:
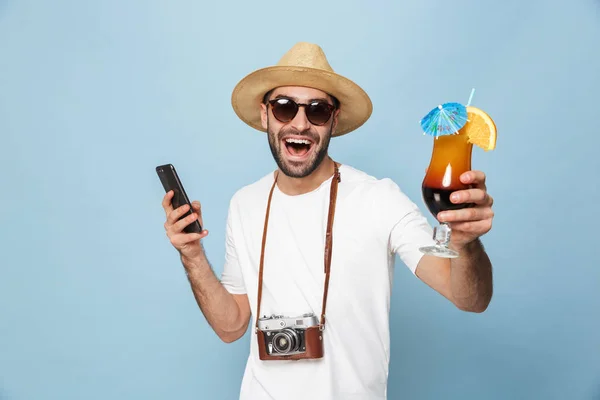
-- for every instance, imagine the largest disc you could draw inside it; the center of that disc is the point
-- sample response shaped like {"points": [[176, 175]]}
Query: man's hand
{"points": [[468, 224], [188, 244]]}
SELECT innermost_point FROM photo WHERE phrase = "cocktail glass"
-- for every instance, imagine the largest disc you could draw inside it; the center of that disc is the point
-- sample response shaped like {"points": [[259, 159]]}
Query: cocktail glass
{"points": [[450, 158]]}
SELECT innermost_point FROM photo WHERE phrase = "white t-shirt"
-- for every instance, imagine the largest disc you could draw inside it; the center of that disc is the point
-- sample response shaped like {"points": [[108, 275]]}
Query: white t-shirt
{"points": [[373, 221]]}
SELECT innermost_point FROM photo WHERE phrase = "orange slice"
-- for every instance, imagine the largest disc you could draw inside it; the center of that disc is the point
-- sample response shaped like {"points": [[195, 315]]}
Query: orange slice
{"points": [[480, 129]]}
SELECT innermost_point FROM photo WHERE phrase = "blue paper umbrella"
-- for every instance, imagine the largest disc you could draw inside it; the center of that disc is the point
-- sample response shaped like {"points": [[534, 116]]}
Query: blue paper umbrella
{"points": [[445, 119]]}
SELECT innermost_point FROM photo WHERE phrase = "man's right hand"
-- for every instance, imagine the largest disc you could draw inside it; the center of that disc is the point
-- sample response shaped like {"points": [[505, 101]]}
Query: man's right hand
{"points": [[188, 244]]}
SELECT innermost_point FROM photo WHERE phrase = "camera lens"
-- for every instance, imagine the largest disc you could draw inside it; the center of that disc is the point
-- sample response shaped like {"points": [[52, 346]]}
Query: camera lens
{"points": [[286, 341]]}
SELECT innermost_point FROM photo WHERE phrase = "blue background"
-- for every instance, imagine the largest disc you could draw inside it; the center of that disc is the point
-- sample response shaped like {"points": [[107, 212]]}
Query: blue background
{"points": [[93, 95]]}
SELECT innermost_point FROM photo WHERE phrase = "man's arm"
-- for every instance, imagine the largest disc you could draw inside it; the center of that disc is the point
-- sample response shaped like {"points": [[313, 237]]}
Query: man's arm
{"points": [[228, 314], [466, 281]]}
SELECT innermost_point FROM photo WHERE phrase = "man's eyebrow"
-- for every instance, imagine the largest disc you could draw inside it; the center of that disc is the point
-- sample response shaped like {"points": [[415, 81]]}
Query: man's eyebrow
{"points": [[283, 96]]}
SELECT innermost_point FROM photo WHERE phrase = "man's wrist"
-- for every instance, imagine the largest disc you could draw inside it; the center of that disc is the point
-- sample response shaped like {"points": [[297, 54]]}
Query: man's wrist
{"points": [[191, 264], [469, 248]]}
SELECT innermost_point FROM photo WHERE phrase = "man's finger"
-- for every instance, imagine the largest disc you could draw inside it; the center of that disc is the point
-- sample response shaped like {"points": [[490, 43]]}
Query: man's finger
{"points": [[196, 206], [475, 178], [476, 228], [177, 213], [182, 223], [466, 214], [166, 203], [477, 196]]}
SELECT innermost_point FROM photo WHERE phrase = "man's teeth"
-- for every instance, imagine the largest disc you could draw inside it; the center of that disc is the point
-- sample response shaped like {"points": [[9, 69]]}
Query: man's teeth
{"points": [[299, 141]]}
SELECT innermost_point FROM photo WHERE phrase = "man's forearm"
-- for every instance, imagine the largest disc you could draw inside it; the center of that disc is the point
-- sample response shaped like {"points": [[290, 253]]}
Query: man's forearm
{"points": [[218, 305], [471, 278]]}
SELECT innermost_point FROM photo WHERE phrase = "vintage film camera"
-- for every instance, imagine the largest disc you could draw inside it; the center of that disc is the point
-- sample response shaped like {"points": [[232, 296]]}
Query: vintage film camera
{"points": [[289, 338]]}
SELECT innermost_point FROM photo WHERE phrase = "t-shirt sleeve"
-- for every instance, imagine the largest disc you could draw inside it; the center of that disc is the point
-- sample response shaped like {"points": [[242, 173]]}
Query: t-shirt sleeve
{"points": [[232, 278], [408, 227]]}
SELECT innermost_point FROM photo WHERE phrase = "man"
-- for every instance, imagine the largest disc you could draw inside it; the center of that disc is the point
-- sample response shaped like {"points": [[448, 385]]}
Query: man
{"points": [[277, 228]]}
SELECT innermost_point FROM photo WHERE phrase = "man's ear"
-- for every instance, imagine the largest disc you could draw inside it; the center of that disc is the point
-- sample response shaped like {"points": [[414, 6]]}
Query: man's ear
{"points": [[335, 120], [263, 115]]}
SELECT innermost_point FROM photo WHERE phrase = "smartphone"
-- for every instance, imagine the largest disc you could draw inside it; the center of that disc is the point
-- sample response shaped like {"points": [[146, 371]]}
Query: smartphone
{"points": [[170, 181]]}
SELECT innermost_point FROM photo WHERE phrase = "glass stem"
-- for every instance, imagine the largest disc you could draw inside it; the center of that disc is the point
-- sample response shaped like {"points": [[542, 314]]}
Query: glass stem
{"points": [[441, 234]]}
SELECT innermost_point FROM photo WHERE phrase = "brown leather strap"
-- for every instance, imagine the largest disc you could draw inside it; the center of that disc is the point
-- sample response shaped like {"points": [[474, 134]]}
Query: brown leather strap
{"points": [[329, 238], [328, 244], [262, 254]]}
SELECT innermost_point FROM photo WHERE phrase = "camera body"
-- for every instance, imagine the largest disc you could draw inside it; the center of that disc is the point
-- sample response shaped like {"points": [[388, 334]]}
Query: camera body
{"points": [[289, 338]]}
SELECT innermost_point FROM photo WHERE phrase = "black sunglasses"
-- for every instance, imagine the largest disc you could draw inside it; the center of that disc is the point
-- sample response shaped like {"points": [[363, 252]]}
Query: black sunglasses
{"points": [[317, 112]]}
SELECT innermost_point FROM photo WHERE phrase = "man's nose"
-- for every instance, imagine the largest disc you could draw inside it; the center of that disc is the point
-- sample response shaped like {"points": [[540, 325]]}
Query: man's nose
{"points": [[300, 122]]}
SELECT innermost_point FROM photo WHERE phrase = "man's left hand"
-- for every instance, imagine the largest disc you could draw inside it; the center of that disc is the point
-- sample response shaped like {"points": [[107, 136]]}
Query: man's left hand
{"points": [[468, 224]]}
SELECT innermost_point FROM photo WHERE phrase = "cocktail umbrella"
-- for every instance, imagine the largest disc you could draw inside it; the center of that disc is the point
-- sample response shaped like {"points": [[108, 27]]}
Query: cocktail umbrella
{"points": [[445, 119]]}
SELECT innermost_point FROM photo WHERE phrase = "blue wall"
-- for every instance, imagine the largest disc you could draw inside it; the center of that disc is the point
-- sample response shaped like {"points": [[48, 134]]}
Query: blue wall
{"points": [[94, 95]]}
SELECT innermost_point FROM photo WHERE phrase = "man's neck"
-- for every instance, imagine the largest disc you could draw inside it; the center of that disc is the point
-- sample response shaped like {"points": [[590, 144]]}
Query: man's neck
{"points": [[296, 186]]}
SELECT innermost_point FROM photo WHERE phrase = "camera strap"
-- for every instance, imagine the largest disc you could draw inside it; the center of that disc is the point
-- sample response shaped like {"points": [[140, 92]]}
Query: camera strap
{"points": [[328, 244]]}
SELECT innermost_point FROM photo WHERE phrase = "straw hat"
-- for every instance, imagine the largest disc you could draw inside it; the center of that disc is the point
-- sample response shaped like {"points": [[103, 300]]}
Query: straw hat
{"points": [[305, 64]]}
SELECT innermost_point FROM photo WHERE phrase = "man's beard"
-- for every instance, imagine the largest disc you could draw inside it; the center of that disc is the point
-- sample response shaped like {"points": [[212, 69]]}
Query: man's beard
{"points": [[298, 169]]}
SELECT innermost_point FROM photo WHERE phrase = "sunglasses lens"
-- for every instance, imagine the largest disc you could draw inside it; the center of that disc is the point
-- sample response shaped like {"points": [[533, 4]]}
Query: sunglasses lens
{"points": [[284, 110], [319, 113]]}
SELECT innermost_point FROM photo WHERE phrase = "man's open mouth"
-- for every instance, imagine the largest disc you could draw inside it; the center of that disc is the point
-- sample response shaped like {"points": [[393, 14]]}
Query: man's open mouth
{"points": [[298, 147]]}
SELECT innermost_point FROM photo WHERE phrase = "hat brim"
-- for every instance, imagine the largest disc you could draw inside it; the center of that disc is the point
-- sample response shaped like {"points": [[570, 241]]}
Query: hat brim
{"points": [[355, 104]]}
